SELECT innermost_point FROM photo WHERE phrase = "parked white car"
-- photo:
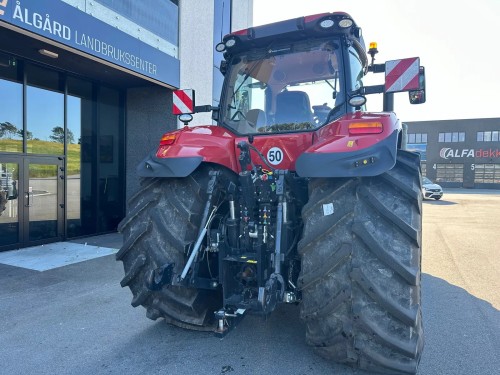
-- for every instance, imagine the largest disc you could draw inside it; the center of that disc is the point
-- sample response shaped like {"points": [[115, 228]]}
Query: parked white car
{"points": [[430, 189]]}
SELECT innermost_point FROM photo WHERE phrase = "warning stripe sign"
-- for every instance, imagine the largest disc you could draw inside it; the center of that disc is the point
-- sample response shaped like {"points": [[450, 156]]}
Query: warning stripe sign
{"points": [[402, 75], [183, 102]]}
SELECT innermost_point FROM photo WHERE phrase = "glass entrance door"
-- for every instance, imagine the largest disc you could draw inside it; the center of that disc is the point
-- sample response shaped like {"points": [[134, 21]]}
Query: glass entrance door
{"points": [[9, 201], [43, 198], [32, 188]]}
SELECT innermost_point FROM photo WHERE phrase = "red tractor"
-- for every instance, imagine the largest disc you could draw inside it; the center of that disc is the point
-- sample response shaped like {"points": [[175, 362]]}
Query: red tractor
{"points": [[298, 195]]}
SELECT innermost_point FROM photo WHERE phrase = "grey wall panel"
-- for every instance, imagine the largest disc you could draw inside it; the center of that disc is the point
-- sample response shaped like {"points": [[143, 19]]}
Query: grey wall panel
{"points": [[148, 117]]}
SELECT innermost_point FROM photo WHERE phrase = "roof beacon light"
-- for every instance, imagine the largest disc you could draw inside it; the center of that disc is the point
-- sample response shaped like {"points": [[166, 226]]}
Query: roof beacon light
{"points": [[326, 23], [373, 51], [346, 22]]}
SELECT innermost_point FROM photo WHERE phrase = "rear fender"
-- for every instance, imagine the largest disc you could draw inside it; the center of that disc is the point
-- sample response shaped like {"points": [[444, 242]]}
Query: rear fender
{"points": [[190, 148], [337, 153]]}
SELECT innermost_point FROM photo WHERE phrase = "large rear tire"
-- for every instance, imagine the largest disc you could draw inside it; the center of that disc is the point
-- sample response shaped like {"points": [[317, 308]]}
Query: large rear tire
{"points": [[163, 221], [361, 262]]}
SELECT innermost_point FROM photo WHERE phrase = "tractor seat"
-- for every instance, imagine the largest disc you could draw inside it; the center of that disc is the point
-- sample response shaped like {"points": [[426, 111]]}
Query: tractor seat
{"points": [[292, 107], [256, 118]]}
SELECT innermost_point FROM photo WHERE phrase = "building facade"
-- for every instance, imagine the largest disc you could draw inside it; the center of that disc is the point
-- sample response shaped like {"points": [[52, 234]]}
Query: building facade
{"points": [[85, 94], [458, 153]]}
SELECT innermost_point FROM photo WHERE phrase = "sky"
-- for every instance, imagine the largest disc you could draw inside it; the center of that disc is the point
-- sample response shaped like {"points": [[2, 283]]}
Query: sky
{"points": [[457, 42]]}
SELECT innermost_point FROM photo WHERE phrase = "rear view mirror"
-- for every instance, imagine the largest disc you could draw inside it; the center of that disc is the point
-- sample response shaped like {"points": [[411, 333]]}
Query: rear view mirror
{"points": [[418, 96]]}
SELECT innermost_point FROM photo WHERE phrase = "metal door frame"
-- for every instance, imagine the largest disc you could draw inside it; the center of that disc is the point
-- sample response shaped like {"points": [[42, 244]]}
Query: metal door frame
{"points": [[23, 161]]}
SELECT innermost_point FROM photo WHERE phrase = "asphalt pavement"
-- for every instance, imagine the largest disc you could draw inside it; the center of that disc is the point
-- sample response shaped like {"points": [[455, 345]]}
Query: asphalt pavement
{"points": [[76, 319]]}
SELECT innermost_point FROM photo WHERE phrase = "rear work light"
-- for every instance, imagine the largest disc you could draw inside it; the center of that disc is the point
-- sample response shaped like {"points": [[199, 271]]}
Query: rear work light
{"points": [[326, 23], [365, 128], [230, 43], [346, 22], [168, 139]]}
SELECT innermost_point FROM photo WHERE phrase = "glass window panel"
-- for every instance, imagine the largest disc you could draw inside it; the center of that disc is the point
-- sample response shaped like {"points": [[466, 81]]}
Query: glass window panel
{"points": [[487, 136], [44, 78], [411, 138], [418, 138], [480, 136], [11, 116], [356, 69], [45, 112], [441, 137], [494, 136], [447, 137], [45, 121], [461, 137], [454, 137], [424, 138], [80, 205], [43, 183]]}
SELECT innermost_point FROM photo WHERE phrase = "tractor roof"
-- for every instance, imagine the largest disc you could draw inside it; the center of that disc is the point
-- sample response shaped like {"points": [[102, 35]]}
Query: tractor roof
{"points": [[296, 29]]}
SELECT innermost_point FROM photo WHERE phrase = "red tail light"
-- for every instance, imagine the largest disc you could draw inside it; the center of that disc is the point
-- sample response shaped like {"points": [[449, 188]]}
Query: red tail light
{"points": [[365, 128], [168, 139]]}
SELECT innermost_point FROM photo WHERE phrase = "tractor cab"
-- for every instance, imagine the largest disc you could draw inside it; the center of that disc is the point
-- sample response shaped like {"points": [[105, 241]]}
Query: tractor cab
{"points": [[289, 87], [297, 75], [289, 76]]}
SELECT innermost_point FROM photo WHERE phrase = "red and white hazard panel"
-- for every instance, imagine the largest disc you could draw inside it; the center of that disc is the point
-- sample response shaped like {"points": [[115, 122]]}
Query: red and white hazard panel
{"points": [[183, 102], [402, 75]]}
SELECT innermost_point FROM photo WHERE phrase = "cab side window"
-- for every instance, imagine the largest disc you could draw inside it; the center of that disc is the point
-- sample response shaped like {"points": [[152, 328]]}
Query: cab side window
{"points": [[356, 66]]}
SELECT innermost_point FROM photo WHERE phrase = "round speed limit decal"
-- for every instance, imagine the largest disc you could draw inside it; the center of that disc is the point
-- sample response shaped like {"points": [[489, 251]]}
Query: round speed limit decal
{"points": [[275, 155]]}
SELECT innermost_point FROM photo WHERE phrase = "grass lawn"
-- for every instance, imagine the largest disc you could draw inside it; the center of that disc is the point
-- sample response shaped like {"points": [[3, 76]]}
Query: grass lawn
{"points": [[45, 148]]}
